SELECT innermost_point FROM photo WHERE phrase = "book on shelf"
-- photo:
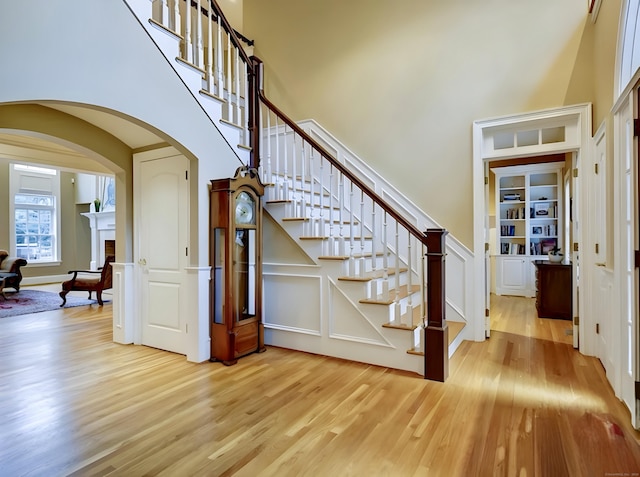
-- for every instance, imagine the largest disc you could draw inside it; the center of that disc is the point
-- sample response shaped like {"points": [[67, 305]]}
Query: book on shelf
{"points": [[507, 230], [516, 249], [546, 245]]}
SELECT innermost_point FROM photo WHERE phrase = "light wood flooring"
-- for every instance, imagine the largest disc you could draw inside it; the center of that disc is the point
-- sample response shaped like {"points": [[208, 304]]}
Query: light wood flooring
{"points": [[523, 403]]}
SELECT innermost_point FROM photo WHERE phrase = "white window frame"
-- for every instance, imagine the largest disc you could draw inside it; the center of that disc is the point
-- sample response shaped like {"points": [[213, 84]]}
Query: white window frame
{"points": [[29, 178]]}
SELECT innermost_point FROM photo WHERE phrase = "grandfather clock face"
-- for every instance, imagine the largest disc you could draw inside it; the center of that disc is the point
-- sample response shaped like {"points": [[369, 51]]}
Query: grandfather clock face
{"points": [[245, 209]]}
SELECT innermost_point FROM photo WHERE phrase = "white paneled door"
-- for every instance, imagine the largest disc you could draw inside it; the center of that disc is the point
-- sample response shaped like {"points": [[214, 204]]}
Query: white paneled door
{"points": [[626, 219], [162, 218]]}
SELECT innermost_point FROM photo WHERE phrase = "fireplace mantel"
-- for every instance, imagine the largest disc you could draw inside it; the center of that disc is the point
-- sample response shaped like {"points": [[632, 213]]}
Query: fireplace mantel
{"points": [[103, 227]]}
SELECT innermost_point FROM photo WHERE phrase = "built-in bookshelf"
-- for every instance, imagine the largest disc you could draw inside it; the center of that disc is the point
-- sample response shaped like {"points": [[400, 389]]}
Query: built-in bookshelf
{"points": [[528, 205]]}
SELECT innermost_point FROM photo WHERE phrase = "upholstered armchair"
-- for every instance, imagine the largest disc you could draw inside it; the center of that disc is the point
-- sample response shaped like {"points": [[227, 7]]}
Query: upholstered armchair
{"points": [[11, 265], [89, 281]]}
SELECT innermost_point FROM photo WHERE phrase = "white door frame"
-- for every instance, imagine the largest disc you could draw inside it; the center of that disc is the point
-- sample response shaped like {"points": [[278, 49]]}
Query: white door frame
{"points": [[560, 130], [625, 223]]}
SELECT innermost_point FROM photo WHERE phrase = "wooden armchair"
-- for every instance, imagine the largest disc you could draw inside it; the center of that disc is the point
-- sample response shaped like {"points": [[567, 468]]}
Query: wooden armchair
{"points": [[101, 280], [11, 265]]}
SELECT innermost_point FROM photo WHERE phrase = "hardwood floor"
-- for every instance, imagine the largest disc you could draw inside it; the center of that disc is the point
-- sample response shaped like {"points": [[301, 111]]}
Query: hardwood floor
{"points": [[522, 403]]}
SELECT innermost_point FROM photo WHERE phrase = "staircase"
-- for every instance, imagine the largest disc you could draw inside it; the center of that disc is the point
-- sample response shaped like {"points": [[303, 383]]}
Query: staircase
{"points": [[367, 284]]}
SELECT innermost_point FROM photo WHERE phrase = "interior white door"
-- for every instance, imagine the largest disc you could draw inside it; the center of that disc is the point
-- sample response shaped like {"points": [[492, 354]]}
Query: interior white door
{"points": [[162, 216], [574, 205], [626, 263], [487, 259]]}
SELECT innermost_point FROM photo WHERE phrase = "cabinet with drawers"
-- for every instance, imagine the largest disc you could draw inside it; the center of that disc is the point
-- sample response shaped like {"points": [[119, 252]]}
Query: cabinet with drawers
{"points": [[553, 289]]}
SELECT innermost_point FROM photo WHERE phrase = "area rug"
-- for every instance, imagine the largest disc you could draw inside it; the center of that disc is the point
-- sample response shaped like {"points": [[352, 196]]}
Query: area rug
{"points": [[35, 301]]}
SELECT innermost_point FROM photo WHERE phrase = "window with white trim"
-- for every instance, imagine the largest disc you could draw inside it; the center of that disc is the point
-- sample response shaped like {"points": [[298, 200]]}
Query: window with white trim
{"points": [[35, 215]]}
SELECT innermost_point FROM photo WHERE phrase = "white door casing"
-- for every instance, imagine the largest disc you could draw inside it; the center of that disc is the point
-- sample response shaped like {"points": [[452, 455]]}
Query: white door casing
{"points": [[559, 130], [625, 221], [576, 283], [161, 216]]}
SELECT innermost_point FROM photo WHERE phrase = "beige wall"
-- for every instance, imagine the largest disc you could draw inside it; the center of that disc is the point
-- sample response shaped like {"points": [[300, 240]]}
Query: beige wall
{"points": [[401, 85], [233, 12]]}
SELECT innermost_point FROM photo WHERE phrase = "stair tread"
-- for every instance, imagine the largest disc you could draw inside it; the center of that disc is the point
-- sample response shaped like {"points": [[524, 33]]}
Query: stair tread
{"points": [[306, 191], [306, 219], [326, 237], [455, 327], [403, 293], [278, 201], [416, 319], [372, 275], [308, 204], [346, 257]]}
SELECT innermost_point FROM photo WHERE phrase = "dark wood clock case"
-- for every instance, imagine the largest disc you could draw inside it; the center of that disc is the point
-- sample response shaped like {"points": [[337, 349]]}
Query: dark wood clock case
{"points": [[236, 266]]}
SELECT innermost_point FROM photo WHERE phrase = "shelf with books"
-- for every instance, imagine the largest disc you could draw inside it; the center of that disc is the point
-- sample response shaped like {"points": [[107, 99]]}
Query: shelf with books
{"points": [[528, 220]]}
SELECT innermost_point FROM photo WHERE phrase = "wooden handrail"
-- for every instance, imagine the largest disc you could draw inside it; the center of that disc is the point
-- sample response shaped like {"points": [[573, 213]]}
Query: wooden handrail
{"points": [[346, 172]]}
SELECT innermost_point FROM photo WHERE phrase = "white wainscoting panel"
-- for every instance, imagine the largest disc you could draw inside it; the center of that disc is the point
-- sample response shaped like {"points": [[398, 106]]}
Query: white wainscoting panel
{"points": [[301, 311], [346, 322]]}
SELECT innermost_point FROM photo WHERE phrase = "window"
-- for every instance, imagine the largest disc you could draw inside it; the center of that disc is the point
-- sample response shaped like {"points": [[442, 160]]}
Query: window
{"points": [[35, 197]]}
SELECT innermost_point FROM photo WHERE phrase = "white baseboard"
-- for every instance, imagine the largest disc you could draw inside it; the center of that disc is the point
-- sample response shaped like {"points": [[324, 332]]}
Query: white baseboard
{"points": [[45, 279]]}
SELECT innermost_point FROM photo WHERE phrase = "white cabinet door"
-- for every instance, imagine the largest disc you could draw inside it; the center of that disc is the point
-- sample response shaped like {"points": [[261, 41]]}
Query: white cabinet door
{"points": [[512, 276]]}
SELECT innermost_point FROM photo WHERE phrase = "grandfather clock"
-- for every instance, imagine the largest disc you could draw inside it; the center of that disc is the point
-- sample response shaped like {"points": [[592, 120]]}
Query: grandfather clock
{"points": [[236, 266]]}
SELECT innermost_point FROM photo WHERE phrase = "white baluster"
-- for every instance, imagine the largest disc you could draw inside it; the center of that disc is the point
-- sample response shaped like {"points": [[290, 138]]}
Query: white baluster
{"points": [[238, 120], [331, 243], [341, 205], [176, 18], [294, 187], [219, 61], [423, 285], [397, 308], [352, 239], [385, 260], [164, 14], [269, 174], [210, 78], [245, 116], [320, 231], [409, 282], [303, 181], [285, 183], [361, 261], [228, 82], [278, 180], [188, 42], [312, 198], [374, 237], [199, 40]]}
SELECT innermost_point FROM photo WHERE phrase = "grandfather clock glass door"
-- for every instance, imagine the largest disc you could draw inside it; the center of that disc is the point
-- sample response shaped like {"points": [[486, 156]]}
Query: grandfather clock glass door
{"points": [[236, 249]]}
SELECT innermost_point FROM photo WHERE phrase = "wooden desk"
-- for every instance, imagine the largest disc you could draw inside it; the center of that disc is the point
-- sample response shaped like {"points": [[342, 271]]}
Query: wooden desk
{"points": [[553, 290]]}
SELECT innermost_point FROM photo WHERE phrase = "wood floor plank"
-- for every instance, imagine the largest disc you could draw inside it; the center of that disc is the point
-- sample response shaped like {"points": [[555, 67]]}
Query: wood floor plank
{"points": [[523, 402]]}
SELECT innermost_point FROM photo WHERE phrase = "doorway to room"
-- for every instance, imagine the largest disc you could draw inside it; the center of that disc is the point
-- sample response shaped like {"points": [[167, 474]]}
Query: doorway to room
{"points": [[564, 131]]}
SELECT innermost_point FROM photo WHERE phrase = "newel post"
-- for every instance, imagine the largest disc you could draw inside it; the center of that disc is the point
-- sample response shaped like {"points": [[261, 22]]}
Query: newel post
{"points": [[436, 355], [255, 86]]}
